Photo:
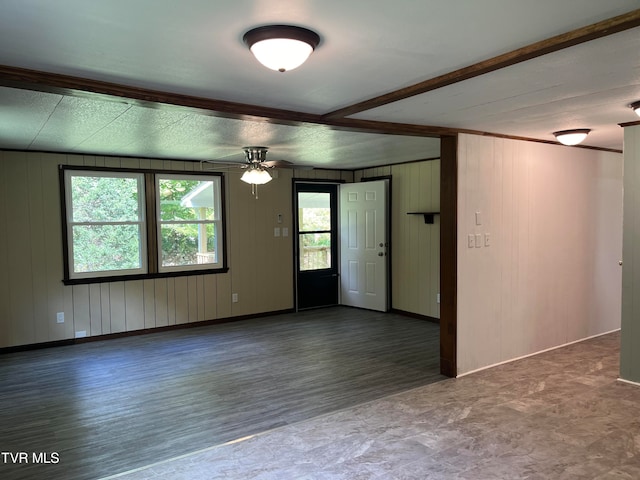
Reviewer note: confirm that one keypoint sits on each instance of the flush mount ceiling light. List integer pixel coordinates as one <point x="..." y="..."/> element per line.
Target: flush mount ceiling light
<point x="572" y="137"/>
<point x="635" y="106"/>
<point x="281" y="47"/>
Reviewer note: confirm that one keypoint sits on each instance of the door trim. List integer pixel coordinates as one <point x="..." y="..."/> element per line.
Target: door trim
<point x="295" y="236"/>
<point x="389" y="214"/>
<point x="359" y="300"/>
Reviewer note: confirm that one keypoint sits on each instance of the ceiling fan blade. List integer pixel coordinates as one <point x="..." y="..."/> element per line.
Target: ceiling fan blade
<point x="284" y="164"/>
<point x="255" y="158"/>
<point x="212" y="164"/>
<point x="277" y="164"/>
<point x="222" y="167"/>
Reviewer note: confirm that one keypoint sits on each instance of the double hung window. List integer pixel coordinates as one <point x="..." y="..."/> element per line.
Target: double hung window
<point x="189" y="222"/>
<point x="130" y="224"/>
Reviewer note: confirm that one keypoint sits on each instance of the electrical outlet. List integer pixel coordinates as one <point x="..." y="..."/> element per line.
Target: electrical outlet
<point x="487" y="239"/>
<point x="471" y="240"/>
<point x="234" y="297"/>
<point x="60" y="317"/>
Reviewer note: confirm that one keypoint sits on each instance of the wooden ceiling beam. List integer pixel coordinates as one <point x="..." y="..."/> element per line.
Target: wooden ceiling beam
<point x="26" y="79"/>
<point x="559" y="42"/>
<point x="58" y="84"/>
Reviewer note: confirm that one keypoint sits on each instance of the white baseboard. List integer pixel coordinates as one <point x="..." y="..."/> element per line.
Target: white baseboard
<point x="629" y="382"/>
<point x="537" y="353"/>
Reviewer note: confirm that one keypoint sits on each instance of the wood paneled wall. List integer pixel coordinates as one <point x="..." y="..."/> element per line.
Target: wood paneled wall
<point x="629" y="352"/>
<point x="415" y="246"/>
<point x="31" y="261"/>
<point x="550" y="274"/>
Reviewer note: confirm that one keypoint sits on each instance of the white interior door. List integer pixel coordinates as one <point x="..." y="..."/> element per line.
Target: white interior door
<point x="363" y="245"/>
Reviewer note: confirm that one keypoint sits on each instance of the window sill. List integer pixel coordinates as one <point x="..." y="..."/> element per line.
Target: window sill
<point x="145" y="276"/>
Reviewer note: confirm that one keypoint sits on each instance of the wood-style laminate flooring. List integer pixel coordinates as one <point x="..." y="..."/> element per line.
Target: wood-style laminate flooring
<point x="559" y="415"/>
<point x="112" y="406"/>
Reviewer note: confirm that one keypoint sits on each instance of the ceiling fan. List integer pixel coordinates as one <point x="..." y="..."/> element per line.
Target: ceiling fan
<point x="256" y="167"/>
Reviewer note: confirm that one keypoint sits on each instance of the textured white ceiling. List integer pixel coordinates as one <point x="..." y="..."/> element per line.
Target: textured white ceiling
<point x="368" y="48"/>
<point x="50" y="122"/>
<point x="586" y="86"/>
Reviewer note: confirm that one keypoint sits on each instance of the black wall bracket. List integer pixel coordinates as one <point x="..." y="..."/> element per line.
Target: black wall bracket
<point x="428" y="216"/>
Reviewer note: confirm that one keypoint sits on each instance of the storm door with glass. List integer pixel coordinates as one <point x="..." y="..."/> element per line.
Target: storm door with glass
<point x="317" y="281"/>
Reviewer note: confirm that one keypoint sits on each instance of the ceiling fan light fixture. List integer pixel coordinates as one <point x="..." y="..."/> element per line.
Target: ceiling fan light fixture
<point x="281" y="47"/>
<point x="256" y="176"/>
<point x="255" y="154"/>
<point x="635" y="106"/>
<point x="572" y="137"/>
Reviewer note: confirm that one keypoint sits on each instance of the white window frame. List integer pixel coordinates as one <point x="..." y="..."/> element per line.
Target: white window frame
<point x="150" y="247"/>
<point x="70" y="223"/>
<point x="216" y="222"/>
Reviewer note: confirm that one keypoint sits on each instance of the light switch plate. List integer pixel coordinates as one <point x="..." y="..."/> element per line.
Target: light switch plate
<point x="276" y="232"/>
<point x="478" y="218"/>
<point x="478" y="240"/>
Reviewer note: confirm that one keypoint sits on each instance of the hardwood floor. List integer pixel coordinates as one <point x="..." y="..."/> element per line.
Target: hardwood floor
<point x="112" y="406"/>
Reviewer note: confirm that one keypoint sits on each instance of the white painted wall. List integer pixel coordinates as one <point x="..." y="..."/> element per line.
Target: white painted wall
<point x="31" y="258"/>
<point x="550" y="274"/>
<point x="629" y="352"/>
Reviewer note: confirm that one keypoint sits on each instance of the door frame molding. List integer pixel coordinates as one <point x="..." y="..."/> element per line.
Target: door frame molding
<point x="388" y="233"/>
<point x="294" y="233"/>
<point x="387" y="214"/>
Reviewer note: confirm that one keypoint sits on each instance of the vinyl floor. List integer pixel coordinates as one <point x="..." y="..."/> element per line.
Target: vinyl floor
<point x="101" y="408"/>
<point x="560" y="415"/>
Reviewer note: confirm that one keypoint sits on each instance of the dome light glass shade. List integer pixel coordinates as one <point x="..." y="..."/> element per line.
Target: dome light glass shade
<point x="572" y="137"/>
<point x="256" y="176"/>
<point x="281" y="47"/>
<point x="281" y="54"/>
